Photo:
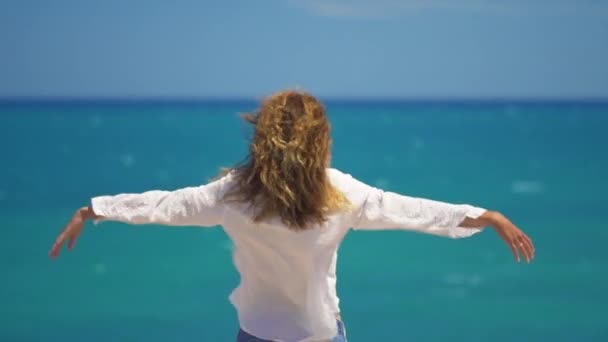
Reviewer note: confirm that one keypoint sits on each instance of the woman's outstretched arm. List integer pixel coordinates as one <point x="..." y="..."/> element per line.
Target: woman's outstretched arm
<point x="377" y="209"/>
<point x="383" y="210"/>
<point x="191" y="206"/>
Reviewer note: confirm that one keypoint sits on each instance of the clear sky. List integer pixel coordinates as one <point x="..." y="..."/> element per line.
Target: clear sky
<point x="394" y="48"/>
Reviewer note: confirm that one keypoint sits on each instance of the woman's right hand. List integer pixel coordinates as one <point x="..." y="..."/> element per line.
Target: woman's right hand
<point x="516" y="239"/>
<point x="71" y="231"/>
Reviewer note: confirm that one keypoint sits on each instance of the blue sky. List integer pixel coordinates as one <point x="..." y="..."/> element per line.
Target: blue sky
<point x="389" y="48"/>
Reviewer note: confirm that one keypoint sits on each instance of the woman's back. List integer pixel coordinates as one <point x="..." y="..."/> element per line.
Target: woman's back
<point x="287" y="288"/>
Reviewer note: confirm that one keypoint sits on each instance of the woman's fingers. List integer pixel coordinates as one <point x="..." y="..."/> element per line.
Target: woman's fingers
<point x="73" y="241"/>
<point x="57" y="245"/>
<point x="529" y="246"/>
<point x="511" y="243"/>
<point x="518" y="242"/>
<point x="70" y="232"/>
<point x="521" y="247"/>
<point x="524" y="247"/>
<point x="514" y="250"/>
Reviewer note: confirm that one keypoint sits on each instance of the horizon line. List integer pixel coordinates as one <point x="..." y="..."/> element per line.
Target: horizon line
<point x="329" y="99"/>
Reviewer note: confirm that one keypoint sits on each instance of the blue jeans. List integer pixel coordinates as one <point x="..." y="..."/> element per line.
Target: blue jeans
<point x="245" y="337"/>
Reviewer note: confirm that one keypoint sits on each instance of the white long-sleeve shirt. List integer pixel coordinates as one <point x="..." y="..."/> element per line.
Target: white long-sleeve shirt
<point x="287" y="291"/>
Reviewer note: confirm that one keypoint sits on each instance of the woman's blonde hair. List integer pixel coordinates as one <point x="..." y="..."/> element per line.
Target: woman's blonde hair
<point x="285" y="173"/>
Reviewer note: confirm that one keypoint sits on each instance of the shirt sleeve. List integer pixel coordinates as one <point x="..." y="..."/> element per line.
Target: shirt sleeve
<point x="191" y="206"/>
<point x="377" y="209"/>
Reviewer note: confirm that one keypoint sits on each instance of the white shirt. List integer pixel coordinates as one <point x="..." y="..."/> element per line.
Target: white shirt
<point x="287" y="291"/>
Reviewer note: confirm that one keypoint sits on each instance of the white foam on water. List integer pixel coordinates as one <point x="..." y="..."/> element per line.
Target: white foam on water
<point x="461" y="279"/>
<point x="418" y="143"/>
<point x="100" y="269"/>
<point x="474" y="280"/>
<point x="527" y="187"/>
<point x="127" y="160"/>
<point x="454" y="278"/>
<point x="95" y="121"/>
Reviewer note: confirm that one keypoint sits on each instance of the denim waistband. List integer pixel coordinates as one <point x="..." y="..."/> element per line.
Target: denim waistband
<point x="243" y="336"/>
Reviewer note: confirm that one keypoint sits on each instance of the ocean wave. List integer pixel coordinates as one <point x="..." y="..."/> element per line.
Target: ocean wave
<point x="461" y="279"/>
<point x="417" y="143"/>
<point x="95" y="121"/>
<point x="127" y="159"/>
<point x="527" y="187"/>
<point x="100" y="269"/>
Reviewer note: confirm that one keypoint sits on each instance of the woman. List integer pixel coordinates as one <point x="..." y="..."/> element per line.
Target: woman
<point x="286" y="213"/>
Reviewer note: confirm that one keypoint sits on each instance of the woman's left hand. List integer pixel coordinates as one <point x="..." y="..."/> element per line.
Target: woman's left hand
<point x="515" y="238"/>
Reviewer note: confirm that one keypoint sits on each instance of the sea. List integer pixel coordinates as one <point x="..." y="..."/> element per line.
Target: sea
<point x="542" y="163"/>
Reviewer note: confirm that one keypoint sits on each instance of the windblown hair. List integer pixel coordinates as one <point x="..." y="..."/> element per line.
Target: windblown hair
<point x="285" y="173"/>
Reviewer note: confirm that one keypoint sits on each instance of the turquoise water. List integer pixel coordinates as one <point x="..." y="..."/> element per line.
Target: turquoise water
<point x="542" y="164"/>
